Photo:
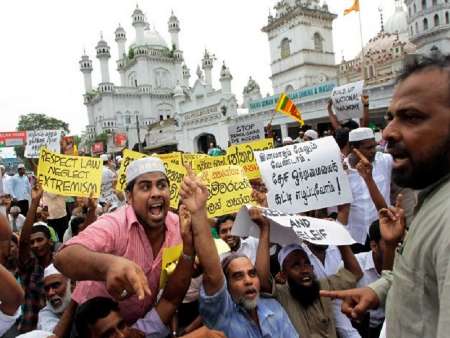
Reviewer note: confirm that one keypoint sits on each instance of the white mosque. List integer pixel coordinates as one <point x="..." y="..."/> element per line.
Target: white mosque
<point x="155" y="103"/>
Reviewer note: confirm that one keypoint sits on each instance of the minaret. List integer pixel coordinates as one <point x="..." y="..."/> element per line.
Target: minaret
<point x="207" y="65"/>
<point x="186" y="75"/>
<point x="103" y="54"/>
<point x="121" y="39"/>
<point x="86" y="69"/>
<point x="139" y="24"/>
<point x="174" y="29"/>
<point x="225" y="79"/>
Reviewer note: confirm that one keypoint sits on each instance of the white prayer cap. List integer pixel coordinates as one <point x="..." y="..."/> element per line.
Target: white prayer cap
<point x="20" y="166"/>
<point x="312" y="134"/>
<point x="287" y="139"/>
<point x="51" y="270"/>
<point x="286" y="250"/>
<point x="104" y="157"/>
<point x="360" y="134"/>
<point x="143" y="166"/>
<point x="36" y="334"/>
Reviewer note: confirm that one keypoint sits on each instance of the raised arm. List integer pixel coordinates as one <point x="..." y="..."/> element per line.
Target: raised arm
<point x="364" y="121"/>
<point x="194" y="196"/>
<point x="178" y="282"/>
<point x="11" y="294"/>
<point x="24" y="241"/>
<point x="331" y="116"/>
<point x="262" y="263"/>
<point x="364" y="168"/>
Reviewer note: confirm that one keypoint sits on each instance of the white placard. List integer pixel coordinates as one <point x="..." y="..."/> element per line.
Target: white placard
<point x="347" y="102"/>
<point x="304" y="176"/>
<point x="36" y="139"/>
<point x="289" y="228"/>
<point x="246" y="132"/>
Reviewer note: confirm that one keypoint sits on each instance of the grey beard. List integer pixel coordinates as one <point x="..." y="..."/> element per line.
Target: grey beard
<point x="65" y="301"/>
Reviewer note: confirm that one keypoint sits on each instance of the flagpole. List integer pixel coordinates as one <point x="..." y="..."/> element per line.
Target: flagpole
<point x="362" y="45"/>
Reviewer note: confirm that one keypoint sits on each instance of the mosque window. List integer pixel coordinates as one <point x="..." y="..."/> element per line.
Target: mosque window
<point x="417" y="28"/>
<point x="318" y="46"/>
<point x="434" y="2"/>
<point x="446" y="18"/>
<point x="285" y="48"/>
<point x="436" y="20"/>
<point x="424" y="4"/>
<point x="415" y="9"/>
<point x="289" y="88"/>
<point x="425" y="24"/>
<point x="411" y="31"/>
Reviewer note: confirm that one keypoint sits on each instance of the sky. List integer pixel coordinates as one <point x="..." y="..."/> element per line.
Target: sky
<point x="44" y="40"/>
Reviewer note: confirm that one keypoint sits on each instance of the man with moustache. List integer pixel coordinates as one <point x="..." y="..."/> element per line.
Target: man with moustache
<point x="416" y="293"/>
<point x="311" y="315"/>
<point x="58" y="294"/>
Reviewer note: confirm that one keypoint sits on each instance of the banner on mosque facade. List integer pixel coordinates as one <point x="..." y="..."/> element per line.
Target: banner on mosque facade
<point x="292" y="228"/>
<point x="304" y="176"/>
<point x="69" y="175"/>
<point x="37" y="139"/>
<point x="347" y="103"/>
<point x="243" y="155"/>
<point x="228" y="188"/>
<point x="246" y="132"/>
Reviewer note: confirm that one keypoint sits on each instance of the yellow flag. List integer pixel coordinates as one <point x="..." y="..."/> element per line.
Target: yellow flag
<point x="354" y="7"/>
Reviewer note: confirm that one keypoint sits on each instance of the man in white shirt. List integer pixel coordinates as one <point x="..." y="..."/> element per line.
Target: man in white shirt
<point x="58" y="295"/>
<point x="363" y="210"/>
<point x="245" y="246"/>
<point x="21" y="189"/>
<point x="16" y="219"/>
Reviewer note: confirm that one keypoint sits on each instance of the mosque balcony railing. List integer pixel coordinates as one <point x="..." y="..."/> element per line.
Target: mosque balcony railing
<point x="125" y="90"/>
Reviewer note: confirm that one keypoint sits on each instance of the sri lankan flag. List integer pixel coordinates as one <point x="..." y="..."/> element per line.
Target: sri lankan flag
<point x="286" y="106"/>
<point x="354" y="7"/>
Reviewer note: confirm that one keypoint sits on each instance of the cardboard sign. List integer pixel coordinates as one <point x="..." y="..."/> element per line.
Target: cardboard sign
<point x="246" y="132"/>
<point x="128" y="156"/>
<point x="174" y="157"/>
<point x="291" y="228"/>
<point x="175" y="174"/>
<point x="229" y="189"/>
<point x="203" y="163"/>
<point x="69" y="175"/>
<point x="242" y="155"/>
<point x="37" y="139"/>
<point x="347" y="102"/>
<point x="304" y="176"/>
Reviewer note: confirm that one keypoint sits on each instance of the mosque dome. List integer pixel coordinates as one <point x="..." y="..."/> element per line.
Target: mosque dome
<point x="398" y="22"/>
<point x="384" y="44"/>
<point x="152" y="39"/>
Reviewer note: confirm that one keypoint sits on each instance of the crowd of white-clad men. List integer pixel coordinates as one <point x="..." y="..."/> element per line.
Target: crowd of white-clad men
<point x="81" y="267"/>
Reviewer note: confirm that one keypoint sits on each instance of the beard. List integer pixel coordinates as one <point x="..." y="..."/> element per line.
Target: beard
<point x="248" y="304"/>
<point x="424" y="172"/>
<point x="305" y="295"/>
<point x="65" y="300"/>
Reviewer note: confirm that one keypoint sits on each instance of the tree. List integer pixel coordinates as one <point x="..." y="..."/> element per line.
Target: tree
<point x="41" y="121"/>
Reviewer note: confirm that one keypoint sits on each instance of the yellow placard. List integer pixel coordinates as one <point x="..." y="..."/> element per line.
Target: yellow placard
<point x="242" y="155"/>
<point x="175" y="174"/>
<point x="188" y="158"/>
<point x="69" y="175"/>
<point x="208" y="162"/>
<point x="128" y="156"/>
<point x="229" y="189"/>
<point x="169" y="262"/>
<point x="174" y="157"/>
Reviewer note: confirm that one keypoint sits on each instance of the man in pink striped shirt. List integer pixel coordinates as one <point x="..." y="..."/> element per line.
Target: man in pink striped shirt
<point x="120" y="254"/>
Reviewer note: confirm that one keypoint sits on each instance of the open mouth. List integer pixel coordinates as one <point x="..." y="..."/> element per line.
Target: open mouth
<point x="156" y="209"/>
<point x="250" y="293"/>
<point x="56" y="302"/>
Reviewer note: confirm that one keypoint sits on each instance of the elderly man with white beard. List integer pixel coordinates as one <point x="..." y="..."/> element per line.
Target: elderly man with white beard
<point x="58" y="294"/>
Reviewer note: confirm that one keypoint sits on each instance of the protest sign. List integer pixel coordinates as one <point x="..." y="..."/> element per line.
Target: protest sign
<point x="13" y="138"/>
<point x="97" y="148"/>
<point x="169" y="262"/>
<point x="208" y="162"/>
<point x="291" y="228"/>
<point x="189" y="158"/>
<point x="69" y="175"/>
<point x="246" y="132"/>
<point x="36" y="139"/>
<point x="228" y="189"/>
<point x="242" y="155"/>
<point x="174" y="157"/>
<point x="304" y="176"/>
<point x="175" y="174"/>
<point x="347" y="102"/>
<point x="128" y="156"/>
